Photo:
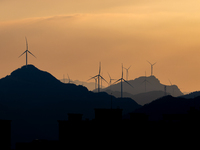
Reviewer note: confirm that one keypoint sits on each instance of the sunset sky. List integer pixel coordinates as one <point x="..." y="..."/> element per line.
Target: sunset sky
<point x="72" y="37"/>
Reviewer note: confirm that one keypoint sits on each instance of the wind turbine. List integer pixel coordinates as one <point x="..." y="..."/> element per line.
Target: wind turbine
<point x="145" y="81"/>
<point x="122" y="79"/>
<point x="95" y="82"/>
<point x="172" y="87"/>
<point x="98" y="77"/>
<point x="69" y="79"/>
<point x="101" y="80"/>
<point x="151" y="67"/>
<point x="165" y="89"/>
<point x="110" y="82"/>
<point x="26" y="51"/>
<point x="64" y="78"/>
<point x="127" y="72"/>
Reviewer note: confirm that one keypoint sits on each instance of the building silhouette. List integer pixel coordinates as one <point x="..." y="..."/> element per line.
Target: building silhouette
<point x="5" y="134"/>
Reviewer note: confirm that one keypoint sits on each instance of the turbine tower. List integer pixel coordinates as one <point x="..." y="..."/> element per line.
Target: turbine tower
<point x="127" y="72"/>
<point x="98" y="77"/>
<point x="145" y="81"/>
<point x="165" y="89"/>
<point x="63" y="78"/>
<point x="68" y="79"/>
<point x="122" y="79"/>
<point x="151" y="67"/>
<point x="26" y="51"/>
<point x="172" y="88"/>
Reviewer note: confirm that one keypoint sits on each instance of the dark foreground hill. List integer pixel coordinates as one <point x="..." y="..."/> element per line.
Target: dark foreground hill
<point x="168" y="105"/>
<point x="191" y="95"/>
<point x="34" y="100"/>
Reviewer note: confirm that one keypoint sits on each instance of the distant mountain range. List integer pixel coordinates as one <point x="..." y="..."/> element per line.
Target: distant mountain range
<point x="154" y="89"/>
<point x="34" y="100"/>
<point x="142" y="98"/>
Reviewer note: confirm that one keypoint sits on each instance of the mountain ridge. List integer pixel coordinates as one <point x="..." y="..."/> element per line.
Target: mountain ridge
<point x="154" y="89"/>
<point x="34" y="105"/>
<point x="153" y="84"/>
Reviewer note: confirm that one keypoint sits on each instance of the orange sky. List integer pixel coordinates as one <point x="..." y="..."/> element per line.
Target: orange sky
<point x="73" y="37"/>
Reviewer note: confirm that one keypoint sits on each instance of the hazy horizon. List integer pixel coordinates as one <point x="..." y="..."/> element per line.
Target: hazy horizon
<point x="73" y="37"/>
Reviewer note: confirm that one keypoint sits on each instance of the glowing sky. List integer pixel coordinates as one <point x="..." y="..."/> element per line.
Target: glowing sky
<point x="72" y="37"/>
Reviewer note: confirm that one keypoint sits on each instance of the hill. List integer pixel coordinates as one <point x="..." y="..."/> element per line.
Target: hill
<point x="142" y="98"/>
<point x="154" y="89"/>
<point x="34" y="100"/>
<point x="168" y="105"/>
<point x="191" y="95"/>
<point x="89" y="85"/>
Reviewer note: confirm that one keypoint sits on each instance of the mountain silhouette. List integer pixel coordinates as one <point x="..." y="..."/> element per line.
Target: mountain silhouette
<point x="89" y="85"/>
<point x="154" y="89"/>
<point x="191" y="95"/>
<point x="34" y="100"/>
<point x="168" y="105"/>
<point x="142" y="98"/>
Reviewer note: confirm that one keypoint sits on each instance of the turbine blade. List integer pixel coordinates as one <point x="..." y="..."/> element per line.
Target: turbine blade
<point x="92" y="77"/>
<point x="149" y="62"/>
<point x="113" y="79"/>
<point x="148" y="81"/>
<point x="143" y="82"/>
<point x="109" y="75"/>
<point x="99" y="68"/>
<point x="128" y="83"/>
<point x="154" y="63"/>
<point x="103" y="78"/>
<point x="26" y="44"/>
<point x="22" y="54"/>
<point x="122" y="70"/>
<point x="129" y="67"/>
<point x="170" y="82"/>
<point x="117" y="81"/>
<point x="31" y="53"/>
